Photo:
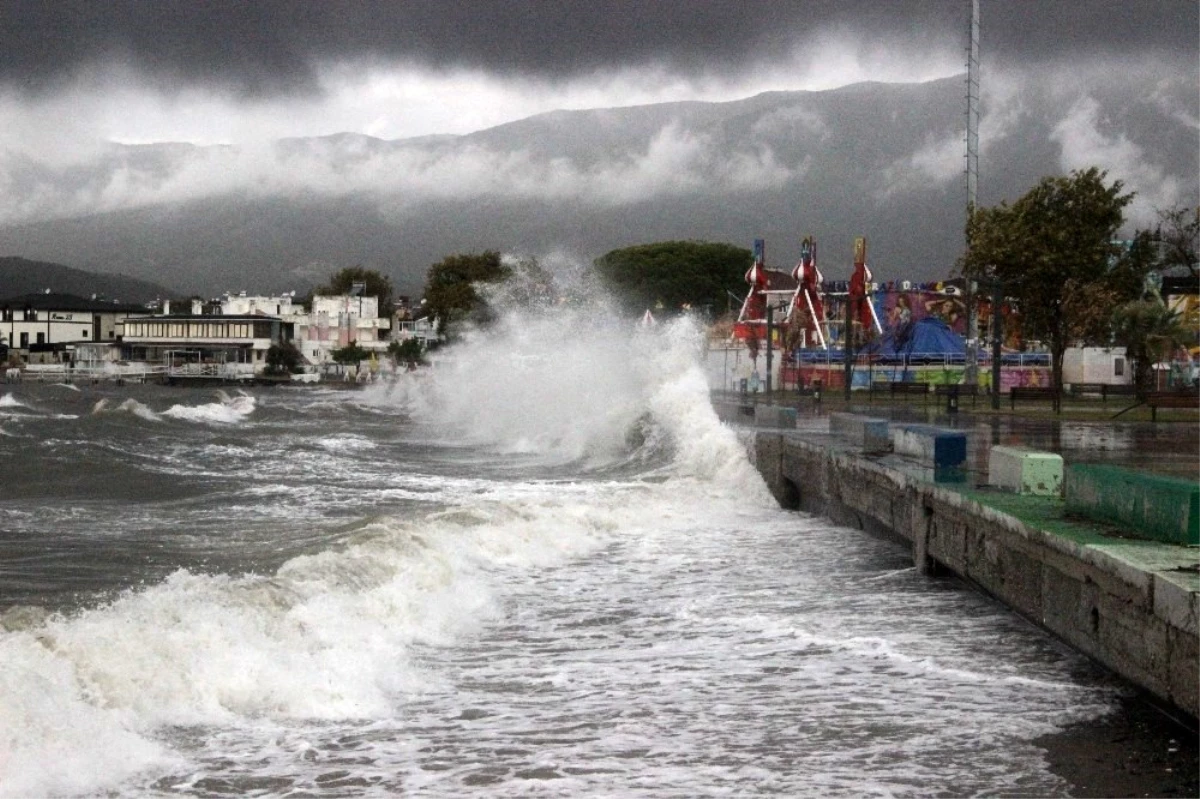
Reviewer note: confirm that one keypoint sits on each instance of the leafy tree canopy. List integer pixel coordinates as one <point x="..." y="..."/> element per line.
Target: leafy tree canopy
<point x="1054" y="251"/>
<point x="407" y="351"/>
<point x="377" y="285"/>
<point x="674" y="274"/>
<point x="1178" y="234"/>
<point x="283" y="358"/>
<point x="1150" y="332"/>
<point x="450" y="293"/>
<point x="350" y="354"/>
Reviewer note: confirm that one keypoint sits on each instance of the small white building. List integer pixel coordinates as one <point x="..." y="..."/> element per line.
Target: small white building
<point x="333" y="322"/>
<point x="282" y="306"/>
<point x="1104" y="365"/>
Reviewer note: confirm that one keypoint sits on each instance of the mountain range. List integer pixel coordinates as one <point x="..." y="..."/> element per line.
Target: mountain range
<point x="875" y="159"/>
<point x="19" y="276"/>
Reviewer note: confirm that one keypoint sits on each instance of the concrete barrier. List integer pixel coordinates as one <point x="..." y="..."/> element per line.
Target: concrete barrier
<point x="945" y="451"/>
<point x="870" y="434"/>
<point x="734" y="412"/>
<point x="1025" y="471"/>
<point x="774" y="416"/>
<point x="1149" y="505"/>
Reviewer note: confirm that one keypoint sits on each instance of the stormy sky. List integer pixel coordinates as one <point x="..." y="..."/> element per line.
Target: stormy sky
<point x="77" y="76"/>
<point x="226" y="71"/>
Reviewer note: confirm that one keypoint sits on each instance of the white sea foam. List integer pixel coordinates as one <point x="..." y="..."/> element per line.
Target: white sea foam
<point x="9" y="401"/>
<point x="574" y="384"/>
<point x="129" y="406"/>
<point x="326" y="637"/>
<point x="229" y="410"/>
<point x="346" y="443"/>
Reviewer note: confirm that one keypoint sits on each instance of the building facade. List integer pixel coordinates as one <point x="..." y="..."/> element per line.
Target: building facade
<point x="42" y="326"/>
<point x="236" y="342"/>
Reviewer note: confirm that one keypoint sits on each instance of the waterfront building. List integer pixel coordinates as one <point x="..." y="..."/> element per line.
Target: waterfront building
<point x="235" y="345"/>
<point x="333" y="322"/>
<point x="44" y="328"/>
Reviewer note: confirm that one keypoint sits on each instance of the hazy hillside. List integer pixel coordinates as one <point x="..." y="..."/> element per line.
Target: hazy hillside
<point x="880" y="160"/>
<point x="19" y="276"/>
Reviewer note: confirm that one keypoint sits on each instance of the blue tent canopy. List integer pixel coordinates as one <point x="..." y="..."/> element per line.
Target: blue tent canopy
<point x="928" y="339"/>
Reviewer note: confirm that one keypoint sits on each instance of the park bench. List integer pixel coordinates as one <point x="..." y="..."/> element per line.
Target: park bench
<point x="964" y="390"/>
<point x="1171" y="399"/>
<point x="1105" y="390"/>
<point x="908" y="388"/>
<point x="1030" y="394"/>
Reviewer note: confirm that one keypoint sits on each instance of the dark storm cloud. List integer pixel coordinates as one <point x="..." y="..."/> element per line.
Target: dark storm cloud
<point x="266" y="47"/>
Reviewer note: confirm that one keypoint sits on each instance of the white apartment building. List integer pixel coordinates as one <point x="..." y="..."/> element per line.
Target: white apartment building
<point x="333" y="322"/>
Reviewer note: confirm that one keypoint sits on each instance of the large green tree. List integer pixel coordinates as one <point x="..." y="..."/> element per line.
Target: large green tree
<point x="674" y="274"/>
<point x="450" y="287"/>
<point x="376" y="285"/>
<point x="1054" y="251"/>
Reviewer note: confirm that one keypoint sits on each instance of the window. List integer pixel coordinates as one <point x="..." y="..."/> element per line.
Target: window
<point x="41" y="338"/>
<point x="24" y="340"/>
<point x="85" y="333"/>
<point x="1118" y="367"/>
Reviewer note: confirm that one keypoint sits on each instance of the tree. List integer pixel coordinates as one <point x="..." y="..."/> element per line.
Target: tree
<point x="1054" y="249"/>
<point x="407" y="351"/>
<point x="1150" y="332"/>
<point x="696" y="274"/>
<point x="350" y="354"/>
<point x="376" y="285"/>
<point x="283" y="358"/>
<point x="1178" y="234"/>
<point x="450" y="293"/>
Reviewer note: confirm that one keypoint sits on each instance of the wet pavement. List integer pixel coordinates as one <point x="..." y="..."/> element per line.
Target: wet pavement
<point x="1086" y="434"/>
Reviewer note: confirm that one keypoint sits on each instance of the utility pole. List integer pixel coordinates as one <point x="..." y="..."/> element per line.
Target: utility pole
<point x="848" y="346"/>
<point x="997" y="339"/>
<point x="971" y="373"/>
<point x="770" y="311"/>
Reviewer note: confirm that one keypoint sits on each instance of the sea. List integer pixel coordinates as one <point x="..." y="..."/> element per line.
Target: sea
<point x="539" y="567"/>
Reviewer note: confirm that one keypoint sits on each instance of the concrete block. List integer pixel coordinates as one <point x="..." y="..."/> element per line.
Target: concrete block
<point x="1184" y="669"/>
<point x="1149" y="505"/>
<point x="870" y="434"/>
<point x="945" y="451"/>
<point x="1026" y="471"/>
<point x="774" y="416"/>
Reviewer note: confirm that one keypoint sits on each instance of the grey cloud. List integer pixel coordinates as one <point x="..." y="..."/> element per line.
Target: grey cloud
<point x="273" y="47"/>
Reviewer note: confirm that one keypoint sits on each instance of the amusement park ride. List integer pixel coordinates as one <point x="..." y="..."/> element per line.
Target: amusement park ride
<point x="804" y="310"/>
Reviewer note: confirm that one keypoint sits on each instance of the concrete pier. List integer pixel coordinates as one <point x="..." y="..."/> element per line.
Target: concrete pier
<point x="1130" y="604"/>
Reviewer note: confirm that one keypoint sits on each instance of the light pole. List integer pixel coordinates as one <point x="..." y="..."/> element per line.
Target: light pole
<point x="770" y="329"/>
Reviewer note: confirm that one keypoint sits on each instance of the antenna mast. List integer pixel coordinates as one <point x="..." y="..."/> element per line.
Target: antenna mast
<point x="973" y="108"/>
<point x="971" y="376"/>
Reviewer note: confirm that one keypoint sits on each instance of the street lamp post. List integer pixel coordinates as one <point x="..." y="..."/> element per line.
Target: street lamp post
<point x="770" y="311"/>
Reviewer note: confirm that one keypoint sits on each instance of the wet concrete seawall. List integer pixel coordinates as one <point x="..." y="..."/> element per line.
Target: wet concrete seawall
<point x="1133" y="620"/>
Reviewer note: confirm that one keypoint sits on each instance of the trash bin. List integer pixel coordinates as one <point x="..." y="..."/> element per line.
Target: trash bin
<point x="951" y="399"/>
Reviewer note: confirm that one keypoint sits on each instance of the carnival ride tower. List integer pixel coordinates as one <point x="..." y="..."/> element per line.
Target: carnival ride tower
<point x="808" y="306"/>
<point x="862" y="308"/>
<point x="754" y="307"/>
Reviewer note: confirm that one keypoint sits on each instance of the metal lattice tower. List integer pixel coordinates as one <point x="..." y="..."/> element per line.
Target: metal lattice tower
<point x="973" y="108"/>
<point x="972" y="376"/>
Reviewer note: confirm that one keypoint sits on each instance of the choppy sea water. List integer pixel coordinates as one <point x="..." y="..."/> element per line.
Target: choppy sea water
<point x="529" y="571"/>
